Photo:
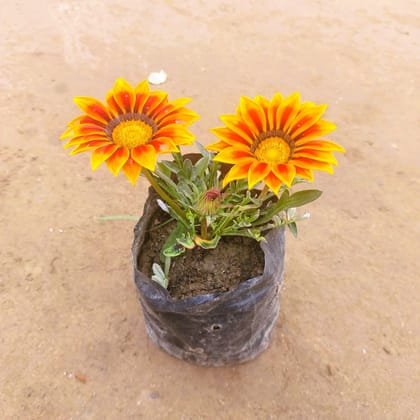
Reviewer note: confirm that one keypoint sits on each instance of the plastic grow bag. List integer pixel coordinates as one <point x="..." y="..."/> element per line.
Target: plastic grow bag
<point x="214" y="329"/>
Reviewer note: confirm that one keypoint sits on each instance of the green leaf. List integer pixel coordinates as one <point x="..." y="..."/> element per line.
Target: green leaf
<point x="301" y="198"/>
<point x="159" y="276"/>
<point x="207" y="243"/>
<point x="275" y="208"/>
<point x="171" y="166"/>
<point x="187" y="168"/>
<point x="203" y="150"/>
<point x="293" y="228"/>
<point x="173" y="250"/>
<point x="186" y="242"/>
<point x="171" y="247"/>
<point x="201" y="166"/>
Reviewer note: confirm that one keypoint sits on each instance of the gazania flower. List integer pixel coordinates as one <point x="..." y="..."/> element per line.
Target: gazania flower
<point x="134" y="126"/>
<point x="274" y="141"/>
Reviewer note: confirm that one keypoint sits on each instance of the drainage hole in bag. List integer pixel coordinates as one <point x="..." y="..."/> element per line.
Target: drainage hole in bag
<point x="216" y="327"/>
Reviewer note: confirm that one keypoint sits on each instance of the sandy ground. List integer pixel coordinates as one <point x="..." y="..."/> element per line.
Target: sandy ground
<point x="73" y="343"/>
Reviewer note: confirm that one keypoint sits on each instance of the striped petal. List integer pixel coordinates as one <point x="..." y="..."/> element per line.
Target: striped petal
<point x="132" y="170"/>
<point x="316" y="155"/>
<point x="238" y="126"/>
<point x="307" y="118"/>
<point x="273" y="182"/>
<point x="304" y="173"/>
<point x="76" y="141"/>
<point x="285" y="172"/>
<point x="289" y="110"/>
<point x="273" y="121"/>
<point x="164" y="145"/>
<point x="170" y="108"/>
<point x="141" y="91"/>
<point x="239" y="171"/>
<point x="93" y="108"/>
<point x="252" y="115"/>
<point x="257" y="172"/>
<point x="319" y="129"/>
<point x="230" y="137"/>
<point x="145" y="155"/>
<point x="101" y="154"/>
<point x="326" y="146"/>
<point x="123" y="94"/>
<point x="232" y="155"/>
<point x="182" y="116"/>
<point x="116" y="161"/>
<point x="92" y="145"/>
<point x="218" y="146"/>
<point x="153" y="101"/>
<point x="312" y="164"/>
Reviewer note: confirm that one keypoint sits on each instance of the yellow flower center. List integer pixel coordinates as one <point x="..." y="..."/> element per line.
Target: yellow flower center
<point x="132" y="133"/>
<point x="273" y="150"/>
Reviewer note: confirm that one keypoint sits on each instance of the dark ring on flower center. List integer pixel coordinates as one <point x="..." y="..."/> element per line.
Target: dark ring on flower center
<point x="130" y="116"/>
<point x="273" y="133"/>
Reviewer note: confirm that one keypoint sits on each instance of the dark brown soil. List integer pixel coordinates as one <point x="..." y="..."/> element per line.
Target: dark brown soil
<point x="199" y="271"/>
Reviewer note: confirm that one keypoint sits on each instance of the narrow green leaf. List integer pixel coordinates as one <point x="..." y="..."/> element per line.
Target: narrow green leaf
<point x="293" y="228"/>
<point x="301" y="198"/>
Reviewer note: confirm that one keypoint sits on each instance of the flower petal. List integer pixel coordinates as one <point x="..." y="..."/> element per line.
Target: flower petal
<point x="253" y="115"/>
<point x="273" y="182"/>
<point x="238" y="171"/>
<point x="177" y="132"/>
<point x="141" y="91"/>
<point x="94" y="108"/>
<point x="153" y="101"/>
<point x="324" y="145"/>
<point x="145" y="155"/>
<point x="316" y="155"/>
<point x="116" y="161"/>
<point x="232" y="155"/>
<point x="285" y="172"/>
<point x="217" y="146"/>
<point x="123" y="94"/>
<point x="92" y="145"/>
<point x="238" y="126"/>
<point x="257" y="172"/>
<point x="306" y="118"/>
<point x="275" y="103"/>
<point x="183" y="115"/>
<point x="288" y="110"/>
<point x="101" y="154"/>
<point x="76" y="141"/>
<point x="230" y="137"/>
<point x="164" y="145"/>
<point x="304" y="173"/>
<point x="132" y="170"/>
<point x="321" y="128"/>
<point x="312" y="164"/>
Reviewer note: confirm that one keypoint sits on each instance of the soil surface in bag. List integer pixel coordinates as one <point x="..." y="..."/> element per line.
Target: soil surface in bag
<point x="202" y="271"/>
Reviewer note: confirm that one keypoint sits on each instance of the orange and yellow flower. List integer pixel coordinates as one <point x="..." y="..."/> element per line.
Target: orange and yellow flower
<point x="274" y="141"/>
<point x="134" y="126"/>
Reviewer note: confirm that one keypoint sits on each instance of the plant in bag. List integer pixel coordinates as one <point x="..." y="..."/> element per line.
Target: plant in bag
<point x="239" y="186"/>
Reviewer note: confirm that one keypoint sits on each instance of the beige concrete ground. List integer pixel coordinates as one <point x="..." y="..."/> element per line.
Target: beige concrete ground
<point x="72" y="340"/>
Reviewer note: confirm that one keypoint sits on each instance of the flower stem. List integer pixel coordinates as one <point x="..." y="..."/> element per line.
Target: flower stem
<point x="164" y="195"/>
<point x="204" y="233"/>
<point x="263" y="192"/>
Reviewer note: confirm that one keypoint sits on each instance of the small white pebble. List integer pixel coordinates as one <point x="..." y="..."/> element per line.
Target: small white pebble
<point x="61" y="230"/>
<point x="51" y="229"/>
<point x="364" y="351"/>
<point x="394" y="146"/>
<point x="157" y="78"/>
